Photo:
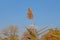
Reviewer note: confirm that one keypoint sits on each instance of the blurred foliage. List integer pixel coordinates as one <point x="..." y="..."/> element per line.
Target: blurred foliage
<point x="52" y="34"/>
<point x="30" y="34"/>
<point x="10" y="33"/>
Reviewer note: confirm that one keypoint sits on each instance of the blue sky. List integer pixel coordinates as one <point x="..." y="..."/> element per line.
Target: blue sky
<point x="14" y="12"/>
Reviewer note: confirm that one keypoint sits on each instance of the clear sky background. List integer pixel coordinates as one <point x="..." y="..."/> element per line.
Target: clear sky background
<point x="14" y="12"/>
